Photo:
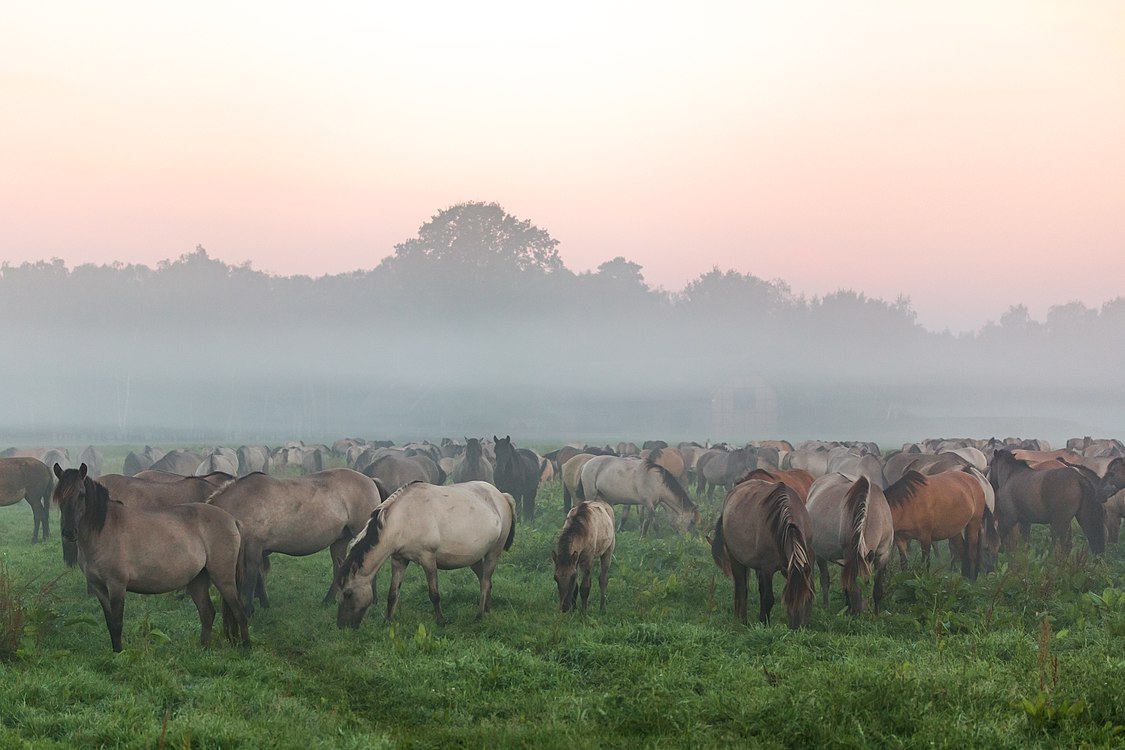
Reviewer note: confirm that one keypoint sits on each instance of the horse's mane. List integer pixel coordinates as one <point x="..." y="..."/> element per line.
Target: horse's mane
<point x="655" y="454"/>
<point x="369" y="537"/>
<point x="855" y="549"/>
<point x="673" y="486"/>
<point x="792" y="545"/>
<point x="222" y="488"/>
<point x="576" y="527"/>
<point x="97" y="505"/>
<point x="1007" y="455"/>
<point x="904" y="490"/>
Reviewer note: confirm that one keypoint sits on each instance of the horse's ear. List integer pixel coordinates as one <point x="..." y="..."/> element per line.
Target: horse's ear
<point x="495" y="439"/>
<point x="58" y="470"/>
<point x="508" y="438"/>
<point x="82" y="471"/>
<point x="573" y="556"/>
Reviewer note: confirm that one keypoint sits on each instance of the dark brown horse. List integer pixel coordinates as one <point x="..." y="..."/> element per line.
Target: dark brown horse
<point x="122" y="549"/>
<point x="1025" y="495"/>
<point x="765" y="526"/>
<point x="28" y="479"/>
<point x="517" y="473"/>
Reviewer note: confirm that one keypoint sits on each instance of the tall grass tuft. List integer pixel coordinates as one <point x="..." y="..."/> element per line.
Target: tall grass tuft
<point x="12" y="616"/>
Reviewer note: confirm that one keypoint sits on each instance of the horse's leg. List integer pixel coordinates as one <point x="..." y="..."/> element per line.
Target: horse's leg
<point x="199" y="589"/>
<point x="1062" y="535"/>
<point x="114" y="607"/>
<point x="260" y="588"/>
<point x="430" y="566"/>
<point x="901" y="543"/>
<point x="584" y="590"/>
<point x="529" y="504"/>
<point x="603" y="577"/>
<point x="823" y="565"/>
<point x="235" y="626"/>
<point x="926" y="545"/>
<point x="970" y="559"/>
<point x="488" y="567"/>
<point x="624" y="515"/>
<point x="36" y="519"/>
<point x="765" y="596"/>
<point x="739" y="574"/>
<point x="398" y="570"/>
<point x="880" y="584"/>
<point x="251" y="584"/>
<point x="337" y="550"/>
<point x="45" y="502"/>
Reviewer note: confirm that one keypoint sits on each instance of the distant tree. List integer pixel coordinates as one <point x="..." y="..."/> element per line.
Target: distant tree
<point x="478" y="237"/>
<point x="728" y="292"/>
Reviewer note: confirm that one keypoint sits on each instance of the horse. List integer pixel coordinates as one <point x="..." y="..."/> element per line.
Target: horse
<point x="852" y="526"/>
<point x="765" y="526"/>
<point x="587" y="533"/>
<point x="855" y="465"/>
<point x="1025" y="495"/>
<point x="798" y="480"/>
<point x="394" y="469"/>
<point x="634" y="481"/>
<point x="517" y="473"/>
<point x="572" y="477"/>
<point x="941" y="506"/>
<point x="438" y="527"/>
<point x="135" y="462"/>
<point x="296" y="517"/>
<point x="219" y="459"/>
<point x="179" y="462"/>
<point x="472" y="466"/>
<point x="28" y="479"/>
<point x="122" y="549"/>
<point x="159" y="489"/>
<point x="814" y="462"/>
<point x="672" y="460"/>
<point x="93" y="458"/>
<point x="253" y="458"/>
<point x="724" y="468"/>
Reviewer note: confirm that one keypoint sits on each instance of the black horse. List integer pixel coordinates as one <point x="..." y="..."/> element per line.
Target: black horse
<point x="517" y="473"/>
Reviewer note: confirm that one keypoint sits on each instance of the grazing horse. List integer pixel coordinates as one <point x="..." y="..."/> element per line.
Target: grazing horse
<point x="135" y="462"/>
<point x="395" y="470"/>
<point x="941" y="506"/>
<point x="472" y="466"/>
<point x="122" y="549"/>
<point x="765" y="526"/>
<point x="724" y="468"/>
<point x="634" y="481"/>
<point x="93" y="458"/>
<point x="851" y="526"/>
<point x="517" y="473"/>
<point x="439" y="527"/>
<point x="1025" y="495"/>
<point x="798" y="480"/>
<point x="28" y="478"/>
<point x="672" y="460"/>
<point x="296" y="517"/>
<point x="586" y="534"/>
<point x="179" y="462"/>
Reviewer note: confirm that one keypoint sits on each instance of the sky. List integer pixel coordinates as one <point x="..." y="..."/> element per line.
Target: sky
<point x="968" y="155"/>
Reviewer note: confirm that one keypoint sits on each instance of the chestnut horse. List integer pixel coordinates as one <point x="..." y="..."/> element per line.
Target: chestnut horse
<point x="932" y="508"/>
<point x="1025" y="495"/>
<point x="765" y="526"/>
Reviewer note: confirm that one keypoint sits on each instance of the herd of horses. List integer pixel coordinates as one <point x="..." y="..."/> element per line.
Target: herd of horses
<point x="787" y="508"/>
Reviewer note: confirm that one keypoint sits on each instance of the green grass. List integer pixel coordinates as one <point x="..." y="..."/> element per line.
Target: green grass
<point x="951" y="663"/>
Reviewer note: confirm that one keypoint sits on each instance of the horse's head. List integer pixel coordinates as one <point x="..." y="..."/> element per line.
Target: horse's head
<point x="689" y="519"/>
<point x="566" y="576"/>
<point x="1114" y="480"/>
<point x="354" y="597"/>
<point x="70" y="496"/>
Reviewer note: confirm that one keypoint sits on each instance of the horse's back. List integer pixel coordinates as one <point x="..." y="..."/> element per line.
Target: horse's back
<point x="458" y="524"/>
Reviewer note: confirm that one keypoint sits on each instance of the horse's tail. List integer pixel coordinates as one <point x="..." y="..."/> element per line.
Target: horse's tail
<point x="719" y="548"/>
<point x="794" y="547"/>
<point x="230" y="621"/>
<point x="512" y="525"/>
<point x="1091" y="515"/>
<point x="566" y="496"/>
<point x="579" y="491"/>
<point x="856" y="562"/>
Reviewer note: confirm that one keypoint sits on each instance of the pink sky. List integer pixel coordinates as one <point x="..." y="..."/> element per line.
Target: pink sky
<point x="970" y="155"/>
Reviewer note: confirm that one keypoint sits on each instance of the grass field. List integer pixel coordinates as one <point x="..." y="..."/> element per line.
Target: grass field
<point x="1031" y="655"/>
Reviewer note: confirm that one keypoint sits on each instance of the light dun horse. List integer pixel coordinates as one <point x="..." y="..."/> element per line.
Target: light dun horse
<point x="446" y="527"/>
<point x="27" y="478"/>
<point x="852" y="527"/>
<point x="634" y="481"/>
<point x="587" y="533"/>
<point x="151" y="552"/>
<point x="765" y="526"/>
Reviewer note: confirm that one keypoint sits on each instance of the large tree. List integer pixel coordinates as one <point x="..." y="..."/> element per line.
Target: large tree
<point x="474" y="237"/>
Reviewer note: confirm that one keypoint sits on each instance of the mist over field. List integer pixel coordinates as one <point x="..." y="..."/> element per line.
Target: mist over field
<point x="475" y="326"/>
